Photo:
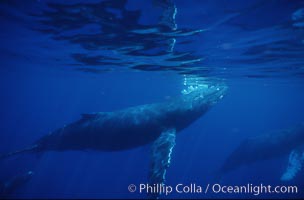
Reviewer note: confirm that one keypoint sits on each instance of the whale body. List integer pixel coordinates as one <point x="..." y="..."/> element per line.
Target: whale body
<point x="133" y="127"/>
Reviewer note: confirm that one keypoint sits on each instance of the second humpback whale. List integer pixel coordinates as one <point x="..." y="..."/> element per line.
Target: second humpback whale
<point x="133" y="127"/>
<point x="270" y="146"/>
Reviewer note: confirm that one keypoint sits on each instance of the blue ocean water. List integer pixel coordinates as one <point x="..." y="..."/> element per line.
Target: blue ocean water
<point x="60" y="59"/>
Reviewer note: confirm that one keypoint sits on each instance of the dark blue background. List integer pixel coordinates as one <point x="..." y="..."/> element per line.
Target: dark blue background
<point x="39" y="94"/>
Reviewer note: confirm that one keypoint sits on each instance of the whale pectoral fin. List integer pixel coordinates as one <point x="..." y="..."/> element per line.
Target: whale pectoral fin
<point x="160" y="158"/>
<point x="295" y="162"/>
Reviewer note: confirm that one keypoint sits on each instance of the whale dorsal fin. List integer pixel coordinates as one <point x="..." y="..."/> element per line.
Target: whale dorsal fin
<point x="160" y="158"/>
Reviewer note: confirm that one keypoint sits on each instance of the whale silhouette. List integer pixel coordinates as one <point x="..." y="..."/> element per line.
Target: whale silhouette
<point x="268" y="146"/>
<point x="133" y="127"/>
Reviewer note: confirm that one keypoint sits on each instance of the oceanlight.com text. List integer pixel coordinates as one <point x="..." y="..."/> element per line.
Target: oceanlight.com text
<point x="254" y="189"/>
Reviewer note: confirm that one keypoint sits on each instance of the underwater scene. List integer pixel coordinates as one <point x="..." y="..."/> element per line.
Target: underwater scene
<point x="152" y="99"/>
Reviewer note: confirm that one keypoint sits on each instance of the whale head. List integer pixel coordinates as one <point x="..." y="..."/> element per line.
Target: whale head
<point x="205" y="96"/>
<point x="193" y="104"/>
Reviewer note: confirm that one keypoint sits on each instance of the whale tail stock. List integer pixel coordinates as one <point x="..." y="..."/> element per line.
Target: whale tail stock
<point x="30" y="149"/>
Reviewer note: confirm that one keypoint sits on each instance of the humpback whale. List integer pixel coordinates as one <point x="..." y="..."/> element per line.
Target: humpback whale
<point x="132" y="127"/>
<point x="269" y="146"/>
